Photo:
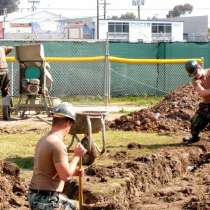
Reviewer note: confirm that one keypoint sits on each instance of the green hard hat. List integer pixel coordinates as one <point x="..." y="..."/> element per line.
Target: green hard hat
<point x="64" y="109"/>
<point x="191" y="67"/>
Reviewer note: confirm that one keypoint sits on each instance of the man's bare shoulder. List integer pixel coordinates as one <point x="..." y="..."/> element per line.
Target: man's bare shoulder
<point x="54" y="141"/>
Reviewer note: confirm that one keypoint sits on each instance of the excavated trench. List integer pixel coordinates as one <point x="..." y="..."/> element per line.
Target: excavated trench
<point x="142" y="183"/>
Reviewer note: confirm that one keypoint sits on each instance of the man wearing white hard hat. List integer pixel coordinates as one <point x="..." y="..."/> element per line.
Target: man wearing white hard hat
<point x="51" y="166"/>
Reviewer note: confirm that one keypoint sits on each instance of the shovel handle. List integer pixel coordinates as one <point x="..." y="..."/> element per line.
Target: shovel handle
<point x="80" y="187"/>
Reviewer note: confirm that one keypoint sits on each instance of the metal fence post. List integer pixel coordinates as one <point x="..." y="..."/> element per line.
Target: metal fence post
<point x="202" y="58"/>
<point x="12" y="78"/>
<point x="107" y="75"/>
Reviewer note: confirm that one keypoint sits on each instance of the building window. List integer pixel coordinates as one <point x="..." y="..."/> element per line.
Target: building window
<point x="161" y="28"/>
<point x="111" y="27"/>
<point x="168" y="28"/>
<point x="154" y="28"/>
<point x="118" y="27"/>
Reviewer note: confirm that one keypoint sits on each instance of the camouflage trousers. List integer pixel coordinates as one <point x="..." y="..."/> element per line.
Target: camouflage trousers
<point x="201" y="119"/>
<point x="50" y="201"/>
<point x="4" y="83"/>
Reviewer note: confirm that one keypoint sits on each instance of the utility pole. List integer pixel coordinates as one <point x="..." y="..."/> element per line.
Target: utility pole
<point x="138" y="3"/>
<point x="104" y="9"/>
<point x="139" y="12"/>
<point x="98" y="16"/>
<point x="104" y="3"/>
<point x="4" y="22"/>
<point x="97" y="19"/>
<point x="33" y="4"/>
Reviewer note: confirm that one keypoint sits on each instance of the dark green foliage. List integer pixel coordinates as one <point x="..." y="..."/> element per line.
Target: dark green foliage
<point x="126" y="16"/>
<point x="9" y="5"/>
<point x="179" y="10"/>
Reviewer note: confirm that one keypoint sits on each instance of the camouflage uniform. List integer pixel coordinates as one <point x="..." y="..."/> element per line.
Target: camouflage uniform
<point x="200" y="120"/>
<point x="4" y="83"/>
<point x="44" y="200"/>
<point x="4" y="75"/>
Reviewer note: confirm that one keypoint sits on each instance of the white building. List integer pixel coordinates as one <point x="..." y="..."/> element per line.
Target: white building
<point x="143" y="30"/>
<point x="47" y="25"/>
<point x="37" y="25"/>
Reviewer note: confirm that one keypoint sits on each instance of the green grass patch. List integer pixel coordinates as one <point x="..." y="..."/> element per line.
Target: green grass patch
<point x="22" y="162"/>
<point x="151" y="142"/>
<point x="117" y="141"/>
<point x="17" y="145"/>
<point x="92" y="100"/>
<point x="19" y="148"/>
<point x="125" y="100"/>
<point x="97" y="100"/>
<point x="136" y="100"/>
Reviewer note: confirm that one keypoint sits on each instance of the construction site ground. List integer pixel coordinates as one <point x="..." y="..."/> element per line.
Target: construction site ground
<point x="171" y="176"/>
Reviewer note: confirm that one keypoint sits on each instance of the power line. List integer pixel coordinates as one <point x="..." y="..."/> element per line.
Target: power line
<point x="111" y="9"/>
<point x="33" y="4"/>
<point x="104" y="3"/>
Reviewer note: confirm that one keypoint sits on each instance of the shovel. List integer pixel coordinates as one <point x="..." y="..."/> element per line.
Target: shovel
<point x="80" y="187"/>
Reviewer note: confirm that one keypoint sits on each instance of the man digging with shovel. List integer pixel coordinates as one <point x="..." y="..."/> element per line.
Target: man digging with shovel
<point x="201" y="83"/>
<point x="51" y="166"/>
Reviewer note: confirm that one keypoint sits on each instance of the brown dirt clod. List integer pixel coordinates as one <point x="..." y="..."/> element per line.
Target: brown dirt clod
<point x="12" y="187"/>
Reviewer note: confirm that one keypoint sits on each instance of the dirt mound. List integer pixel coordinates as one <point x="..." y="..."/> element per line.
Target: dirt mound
<point x="12" y="187"/>
<point x="171" y="115"/>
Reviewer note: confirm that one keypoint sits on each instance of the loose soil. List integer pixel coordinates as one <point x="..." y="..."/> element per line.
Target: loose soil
<point x="171" y="116"/>
<point x="175" y="177"/>
<point x="12" y="187"/>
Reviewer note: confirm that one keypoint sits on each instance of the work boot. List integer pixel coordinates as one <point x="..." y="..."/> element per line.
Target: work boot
<point x="191" y="140"/>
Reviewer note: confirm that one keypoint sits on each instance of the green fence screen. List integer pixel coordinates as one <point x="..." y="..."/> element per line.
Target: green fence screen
<point x="126" y="79"/>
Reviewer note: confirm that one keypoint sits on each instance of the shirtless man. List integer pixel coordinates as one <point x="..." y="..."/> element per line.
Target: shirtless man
<point x="201" y="83"/>
<point x="51" y="166"/>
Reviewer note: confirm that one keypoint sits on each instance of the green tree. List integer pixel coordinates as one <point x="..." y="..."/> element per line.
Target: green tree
<point x="126" y="16"/>
<point x="179" y="10"/>
<point x="115" y="17"/>
<point x="9" y="5"/>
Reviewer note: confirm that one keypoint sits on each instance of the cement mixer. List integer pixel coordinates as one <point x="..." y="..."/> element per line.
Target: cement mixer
<point x="35" y="80"/>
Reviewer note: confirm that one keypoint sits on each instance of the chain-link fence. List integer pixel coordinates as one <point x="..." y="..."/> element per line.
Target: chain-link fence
<point x="85" y="69"/>
<point x="146" y="79"/>
<point x="69" y="79"/>
<point x="79" y="76"/>
<point x="99" y="78"/>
